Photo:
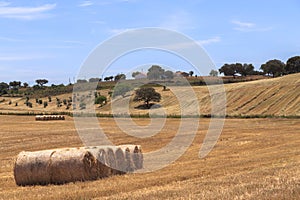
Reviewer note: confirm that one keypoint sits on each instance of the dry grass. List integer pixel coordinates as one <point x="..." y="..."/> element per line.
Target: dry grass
<point x="278" y="96"/>
<point x="253" y="159"/>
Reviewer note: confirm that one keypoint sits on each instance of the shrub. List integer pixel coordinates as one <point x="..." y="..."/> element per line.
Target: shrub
<point x="82" y="105"/>
<point x="100" y="100"/>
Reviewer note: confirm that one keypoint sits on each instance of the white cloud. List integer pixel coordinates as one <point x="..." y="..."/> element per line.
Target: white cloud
<point x="243" y="24"/>
<point x="209" y="41"/>
<point x="118" y="30"/>
<point x="86" y="3"/>
<point x="26" y="13"/>
<point x="248" y="27"/>
<point x="192" y="44"/>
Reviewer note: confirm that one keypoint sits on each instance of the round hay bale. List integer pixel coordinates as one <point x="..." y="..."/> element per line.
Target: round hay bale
<point x="73" y="165"/>
<point x="137" y="157"/>
<point x="130" y="167"/>
<point x="100" y="154"/>
<point x="33" y="168"/>
<point x="55" y="166"/>
<point x="121" y="164"/>
<point x="111" y="160"/>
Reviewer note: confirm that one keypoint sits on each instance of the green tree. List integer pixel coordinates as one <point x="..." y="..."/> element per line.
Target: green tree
<point x="41" y="82"/>
<point x="134" y="74"/>
<point x="293" y="65"/>
<point x="273" y="67"/>
<point x="93" y="80"/>
<point x="120" y="77"/>
<point x="191" y="73"/>
<point x="15" y="85"/>
<point x="100" y="100"/>
<point x="25" y="85"/>
<point x="147" y="95"/>
<point x="81" y="81"/>
<point x="245" y="69"/>
<point x="228" y="70"/>
<point x="213" y="73"/>
<point x="3" y="88"/>
<point x="155" y="72"/>
<point x="169" y="74"/>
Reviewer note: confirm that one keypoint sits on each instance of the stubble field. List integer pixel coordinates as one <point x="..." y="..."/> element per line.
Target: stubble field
<point x="253" y="159"/>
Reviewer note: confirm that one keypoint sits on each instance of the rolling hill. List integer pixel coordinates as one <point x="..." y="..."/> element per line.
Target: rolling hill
<point x="267" y="97"/>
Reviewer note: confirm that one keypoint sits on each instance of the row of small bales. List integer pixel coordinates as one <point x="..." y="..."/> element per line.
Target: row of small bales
<point x="60" y="166"/>
<point x="49" y="117"/>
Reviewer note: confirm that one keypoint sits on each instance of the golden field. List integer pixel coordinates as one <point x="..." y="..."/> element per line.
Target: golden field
<point x="266" y="97"/>
<point x="256" y="158"/>
<point x="253" y="159"/>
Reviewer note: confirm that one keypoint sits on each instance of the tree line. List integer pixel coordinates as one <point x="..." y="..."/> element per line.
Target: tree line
<point x="272" y="68"/>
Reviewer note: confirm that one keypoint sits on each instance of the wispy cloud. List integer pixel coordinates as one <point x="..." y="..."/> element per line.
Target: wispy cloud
<point x="118" y="30"/>
<point x="25" y="13"/>
<point x="192" y="44"/>
<point x="85" y="4"/>
<point x="248" y="27"/>
<point x="209" y="41"/>
<point x="243" y="24"/>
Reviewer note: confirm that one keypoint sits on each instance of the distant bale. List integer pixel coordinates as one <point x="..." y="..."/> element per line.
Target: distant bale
<point x="49" y="117"/>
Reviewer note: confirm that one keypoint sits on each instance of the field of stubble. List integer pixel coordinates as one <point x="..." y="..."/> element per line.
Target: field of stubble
<point x="253" y="159"/>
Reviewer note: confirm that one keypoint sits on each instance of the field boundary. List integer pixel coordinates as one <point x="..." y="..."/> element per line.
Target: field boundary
<point x="103" y="115"/>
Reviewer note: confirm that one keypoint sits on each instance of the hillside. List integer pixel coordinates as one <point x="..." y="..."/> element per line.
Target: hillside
<point x="278" y="97"/>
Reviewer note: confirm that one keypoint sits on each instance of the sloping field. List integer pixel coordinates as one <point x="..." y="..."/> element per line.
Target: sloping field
<point x="253" y="159"/>
<point x="278" y="96"/>
<point x="267" y="97"/>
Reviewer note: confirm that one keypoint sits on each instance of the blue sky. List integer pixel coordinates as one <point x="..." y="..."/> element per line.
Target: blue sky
<point x="51" y="39"/>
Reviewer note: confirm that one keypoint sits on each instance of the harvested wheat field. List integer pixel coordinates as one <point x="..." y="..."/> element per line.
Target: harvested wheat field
<point x="268" y="97"/>
<point x="253" y="159"/>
